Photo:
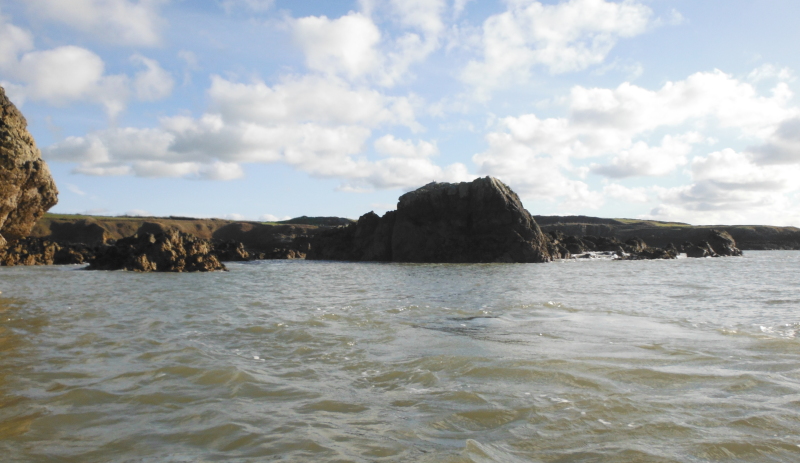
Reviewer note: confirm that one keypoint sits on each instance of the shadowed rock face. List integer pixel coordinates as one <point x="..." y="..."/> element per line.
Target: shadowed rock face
<point x="27" y="190"/>
<point x="479" y="221"/>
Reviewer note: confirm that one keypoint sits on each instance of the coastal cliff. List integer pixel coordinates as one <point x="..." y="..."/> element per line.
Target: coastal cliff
<point x="27" y="190"/>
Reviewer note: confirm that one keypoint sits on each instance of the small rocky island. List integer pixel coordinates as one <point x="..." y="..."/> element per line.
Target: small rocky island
<point x="480" y="221"/>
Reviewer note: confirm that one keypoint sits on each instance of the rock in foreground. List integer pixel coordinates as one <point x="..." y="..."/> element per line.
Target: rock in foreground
<point x="27" y="190"/>
<point x="171" y="251"/>
<point x="469" y="222"/>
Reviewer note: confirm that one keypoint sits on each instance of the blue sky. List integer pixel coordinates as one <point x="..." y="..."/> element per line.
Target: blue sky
<point x="263" y="109"/>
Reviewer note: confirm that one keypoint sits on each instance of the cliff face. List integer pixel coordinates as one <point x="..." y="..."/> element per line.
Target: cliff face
<point x="760" y="237"/>
<point x="478" y="221"/>
<point x="27" y="190"/>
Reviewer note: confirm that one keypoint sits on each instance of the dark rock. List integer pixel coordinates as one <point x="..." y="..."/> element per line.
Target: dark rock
<point x="636" y="245"/>
<point x="231" y="251"/>
<point x="27" y="190"/>
<point x="699" y="250"/>
<point x="722" y="243"/>
<point x="40" y="251"/>
<point x="29" y="251"/>
<point x="479" y="221"/>
<point x="82" y="231"/>
<point x="281" y="241"/>
<point x="172" y="251"/>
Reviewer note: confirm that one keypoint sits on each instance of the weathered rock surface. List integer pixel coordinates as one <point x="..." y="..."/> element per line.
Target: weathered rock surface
<point x="27" y="190"/>
<point x="171" y="251"/>
<point x="722" y="243"/>
<point x="39" y="251"/>
<point x="478" y="221"/>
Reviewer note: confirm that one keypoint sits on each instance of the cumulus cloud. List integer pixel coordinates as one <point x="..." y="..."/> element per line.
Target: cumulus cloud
<point x="352" y="46"/>
<point x="564" y="37"/>
<point x="346" y="45"/>
<point x="124" y="22"/>
<point x="616" y="127"/>
<point x="153" y="83"/>
<point x="63" y="75"/>
<point x="631" y="195"/>
<point x="68" y="74"/>
<point x="318" y="125"/>
<point x="728" y="187"/>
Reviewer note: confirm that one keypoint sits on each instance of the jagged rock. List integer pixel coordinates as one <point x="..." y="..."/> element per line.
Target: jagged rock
<point x="478" y="221"/>
<point x="722" y="243"/>
<point x="699" y="250"/>
<point x="40" y="251"/>
<point x="231" y="251"/>
<point x="29" y="251"/>
<point x="636" y="245"/>
<point x="27" y="190"/>
<point x="172" y="251"/>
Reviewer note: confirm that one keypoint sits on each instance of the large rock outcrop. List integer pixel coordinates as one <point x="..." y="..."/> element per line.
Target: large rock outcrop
<point x="171" y="251"/>
<point x="27" y="190"/>
<point x="478" y="221"/>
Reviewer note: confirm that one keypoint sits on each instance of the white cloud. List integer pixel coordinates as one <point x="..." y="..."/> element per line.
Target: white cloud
<point x="117" y="21"/>
<point x="346" y="45"/>
<point x="632" y="195"/>
<point x="273" y="218"/>
<point x="352" y="46"/>
<point x="783" y="147"/>
<point x="616" y="127"/>
<point x="459" y="6"/>
<point x="565" y="37"/>
<point x="532" y="176"/>
<point x="57" y="76"/>
<point x="317" y="125"/>
<point x="153" y="83"/>
<point x="643" y="160"/>
<point x="728" y="187"/>
<point x="75" y="189"/>
<point x="13" y="41"/>
<point x="390" y="146"/>
<point x="770" y="72"/>
<point x="138" y="213"/>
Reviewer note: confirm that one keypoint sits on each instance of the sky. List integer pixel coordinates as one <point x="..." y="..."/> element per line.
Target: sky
<point x="675" y="110"/>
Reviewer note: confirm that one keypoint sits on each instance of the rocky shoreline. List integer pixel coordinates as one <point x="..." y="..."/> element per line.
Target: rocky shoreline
<point x="469" y="222"/>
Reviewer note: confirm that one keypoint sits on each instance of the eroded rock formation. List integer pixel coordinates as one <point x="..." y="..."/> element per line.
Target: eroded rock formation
<point x="171" y="251"/>
<point x="478" y="221"/>
<point x="27" y="190"/>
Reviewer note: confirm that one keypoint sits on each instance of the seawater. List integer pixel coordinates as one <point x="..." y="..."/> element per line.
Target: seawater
<point x="581" y="361"/>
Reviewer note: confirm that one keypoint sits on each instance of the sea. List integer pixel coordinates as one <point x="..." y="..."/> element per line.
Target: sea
<point x="588" y="360"/>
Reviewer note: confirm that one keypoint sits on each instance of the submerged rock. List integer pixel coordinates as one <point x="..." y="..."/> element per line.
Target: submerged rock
<point x="478" y="221"/>
<point x="27" y="190"/>
<point x="171" y="251"/>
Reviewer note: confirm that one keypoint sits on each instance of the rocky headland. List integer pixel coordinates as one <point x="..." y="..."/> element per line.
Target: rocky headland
<point x="27" y="190"/>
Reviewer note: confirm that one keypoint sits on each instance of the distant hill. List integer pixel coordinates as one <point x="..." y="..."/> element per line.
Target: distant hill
<point x="318" y="221"/>
<point x="655" y="233"/>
